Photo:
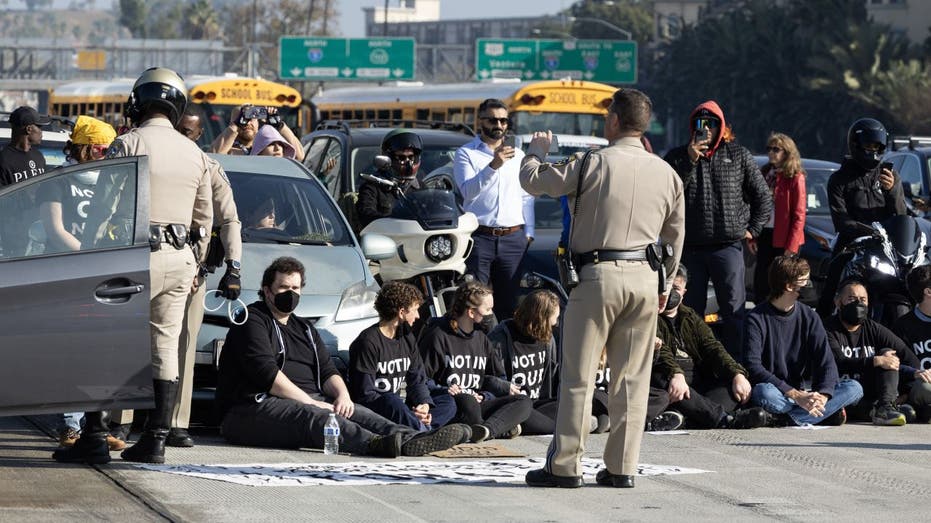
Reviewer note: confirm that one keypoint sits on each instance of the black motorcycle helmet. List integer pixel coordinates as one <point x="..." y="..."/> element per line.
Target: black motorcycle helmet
<point x="400" y="140"/>
<point x="160" y="87"/>
<point x="866" y="142"/>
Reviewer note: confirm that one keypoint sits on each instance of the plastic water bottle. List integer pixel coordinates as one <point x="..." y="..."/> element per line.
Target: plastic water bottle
<point x="331" y="435"/>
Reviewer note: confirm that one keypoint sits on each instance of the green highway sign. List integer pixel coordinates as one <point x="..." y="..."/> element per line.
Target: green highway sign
<point x="609" y="61"/>
<point x="371" y="59"/>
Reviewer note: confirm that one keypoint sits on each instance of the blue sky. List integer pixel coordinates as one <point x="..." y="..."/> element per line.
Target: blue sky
<point x="352" y="22"/>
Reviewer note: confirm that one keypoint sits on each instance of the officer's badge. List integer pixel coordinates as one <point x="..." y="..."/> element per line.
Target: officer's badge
<point x="117" y="149"/>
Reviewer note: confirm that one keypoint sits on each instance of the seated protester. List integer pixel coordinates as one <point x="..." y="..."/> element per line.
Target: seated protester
<point x="915" y="330"/>
<point x="385" y="359"/>
<point x="376" y="200"/>
<point x="527" y="350"/>
<point x="871" y="354"/>
<point x="704" y="382"/>
<point x="276" y="384"/>
<point x="658" y="418"/>
<point x="787" y="355"/>
<point x="459" y="357"/>
<point x="269" y="142"/>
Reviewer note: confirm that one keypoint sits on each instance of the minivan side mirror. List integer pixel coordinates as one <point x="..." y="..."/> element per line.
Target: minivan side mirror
<point x="377" y="246"/>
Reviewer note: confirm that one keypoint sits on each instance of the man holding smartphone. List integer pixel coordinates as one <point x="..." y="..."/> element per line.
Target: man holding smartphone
<point x="486" y="171"/>
<point x="861" y="192"/>
<point x="727" y="201"/>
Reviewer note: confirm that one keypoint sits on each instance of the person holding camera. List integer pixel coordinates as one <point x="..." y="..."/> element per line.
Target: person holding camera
<point x="861" y="192"/>
<point x="727" y="201"/>
<point x="486" y="172"/>
<point x="624" y="199"/>
<point x="244" y="125"/>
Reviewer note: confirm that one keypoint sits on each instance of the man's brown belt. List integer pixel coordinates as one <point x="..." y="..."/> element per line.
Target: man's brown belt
<point x="499" y="231"/>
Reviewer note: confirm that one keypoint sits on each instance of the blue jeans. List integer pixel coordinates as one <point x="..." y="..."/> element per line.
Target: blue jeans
<point x="394" y="408"/>
<point x="70" y="420"/>
<point x="766" y="395"/>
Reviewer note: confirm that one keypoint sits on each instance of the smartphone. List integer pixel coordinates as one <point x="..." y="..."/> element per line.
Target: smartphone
<point x="885" y="165"/>
<point x="510" y="140"/>
<point x="554" y="145"/>
<point x="702" y="135"/>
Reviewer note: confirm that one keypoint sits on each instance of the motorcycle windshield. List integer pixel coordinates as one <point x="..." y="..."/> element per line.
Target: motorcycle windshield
<point x="432" y="208"/>
<point x="903" y="235"/>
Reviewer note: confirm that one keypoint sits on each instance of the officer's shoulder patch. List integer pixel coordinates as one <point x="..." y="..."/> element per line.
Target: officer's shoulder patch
<point x="117" y="149"/>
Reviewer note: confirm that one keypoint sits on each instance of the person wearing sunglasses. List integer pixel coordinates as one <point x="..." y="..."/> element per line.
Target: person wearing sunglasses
<point x="726" y="202"/>
<point x="788" y="358"/>
<point x="784" y="233"/>
<point x="486" y="172"/>
<point x="404" y="148"/>
<point x="861" y="192"/>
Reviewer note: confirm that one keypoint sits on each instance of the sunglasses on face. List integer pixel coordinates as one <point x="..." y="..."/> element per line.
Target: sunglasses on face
<point x="502" y="121"/>
<point x="774" y="149"/>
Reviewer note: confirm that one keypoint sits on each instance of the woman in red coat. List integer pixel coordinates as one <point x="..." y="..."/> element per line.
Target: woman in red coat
<point x="785" y="232"/>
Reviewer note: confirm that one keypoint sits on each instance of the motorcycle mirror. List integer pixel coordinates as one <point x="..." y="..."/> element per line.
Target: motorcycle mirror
<point x="382" y="163"/>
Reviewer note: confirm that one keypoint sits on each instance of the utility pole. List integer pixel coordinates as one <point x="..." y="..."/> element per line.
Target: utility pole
<point x="384" y="23"/>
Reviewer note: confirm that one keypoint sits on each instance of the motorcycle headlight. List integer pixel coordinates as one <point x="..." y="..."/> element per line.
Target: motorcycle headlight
<point x="357" y="302"/>
<point x="882" y="266"/>
<point x="439" y="248"/>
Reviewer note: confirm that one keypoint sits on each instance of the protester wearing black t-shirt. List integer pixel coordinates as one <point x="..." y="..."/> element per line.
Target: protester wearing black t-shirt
<point x="277" y="386"/>
<point x="384" y="361"/>
<point x="460" y="359"/>
<point x="20" y="160"/>
<point x="915" y="330"/>
<point x="871" y="354"/>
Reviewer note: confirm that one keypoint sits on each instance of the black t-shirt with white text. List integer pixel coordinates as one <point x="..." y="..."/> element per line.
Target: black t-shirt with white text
<point x="454" y="357"/>
<point x="524" y="358"/>
<point x="17" y="166"/>
<point x="915" y="330"/>
<point x="379" y="365"/>
<point x="74" y="198"/>
<point x="854" y="351"/>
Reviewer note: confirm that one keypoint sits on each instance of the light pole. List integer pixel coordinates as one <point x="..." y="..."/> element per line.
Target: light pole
<point x="627" y="34"/>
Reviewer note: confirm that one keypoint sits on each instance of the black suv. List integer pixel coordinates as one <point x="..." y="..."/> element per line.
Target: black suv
<point x="338" y="151"/>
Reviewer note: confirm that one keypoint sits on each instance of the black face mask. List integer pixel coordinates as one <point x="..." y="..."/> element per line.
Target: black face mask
<point x="854" y="313"/>
<point x="675" y="298"/>
<point x="286" y="301"/>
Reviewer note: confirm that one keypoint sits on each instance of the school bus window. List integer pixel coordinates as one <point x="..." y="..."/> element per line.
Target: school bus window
<point x="438" y="116"/>
<point x="370" y="114"/>
<point x="358" y="114"/>
<point x="423" y="114"/>
<point x="384" y="114"/>
<point x="396" y="114"/>
<point x="455" y="115"/>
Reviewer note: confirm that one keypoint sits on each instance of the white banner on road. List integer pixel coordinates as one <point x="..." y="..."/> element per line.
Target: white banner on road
<point x="382" y="473"/>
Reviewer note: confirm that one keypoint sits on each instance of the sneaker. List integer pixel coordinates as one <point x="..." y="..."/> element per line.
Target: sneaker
<point x="886" y="415"/>
<point x="388" y="446"/>
<point x="479" y="433"/>
<point x="908" y="411"/>
<point x="439" y="439"/>
<point x="837" y="419"/>
<point x="513" y="433"/>
<point x="68" y="437"/>
<point x="668" y="420"/>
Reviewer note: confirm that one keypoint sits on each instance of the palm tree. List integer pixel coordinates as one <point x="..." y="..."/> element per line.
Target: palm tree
<point x="200" y="21"/>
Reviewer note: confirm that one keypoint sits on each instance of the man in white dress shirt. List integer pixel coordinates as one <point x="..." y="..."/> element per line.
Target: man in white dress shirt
<point x="486" y="172"/>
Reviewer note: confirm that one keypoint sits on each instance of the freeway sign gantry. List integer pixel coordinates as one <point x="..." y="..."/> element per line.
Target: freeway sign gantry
<point x="371" y="59"/>
<point x="609" y="61"/>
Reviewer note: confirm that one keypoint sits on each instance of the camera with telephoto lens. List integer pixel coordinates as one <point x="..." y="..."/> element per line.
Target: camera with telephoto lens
<point x="252" y="112"/>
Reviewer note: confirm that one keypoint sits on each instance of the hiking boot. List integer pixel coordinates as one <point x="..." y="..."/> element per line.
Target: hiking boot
<point x="513" y="433"/>
<point x="479" y="433"/>
<point x="91" y="449"/>
<point x="385" y="446"/>
<point x="837" y="419"/>
<point x="439" y="439"/>
<point x="114" y="443"/>
<point x="751" y="418"/>
<point x="68" y="437"/>
<point x="667" y="420"/>
<point x="886" y="415"/>
<point x="908" y="411"/>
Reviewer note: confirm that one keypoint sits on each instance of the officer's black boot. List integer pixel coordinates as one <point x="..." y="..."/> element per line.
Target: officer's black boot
<point x="151" y="445"/>
<point x="91" y="447"/>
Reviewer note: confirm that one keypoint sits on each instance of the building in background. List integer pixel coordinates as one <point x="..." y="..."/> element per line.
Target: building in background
<point x="911" y="18"/>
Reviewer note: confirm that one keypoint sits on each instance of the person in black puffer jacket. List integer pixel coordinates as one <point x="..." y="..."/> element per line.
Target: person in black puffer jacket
<point x="726" y="201"/>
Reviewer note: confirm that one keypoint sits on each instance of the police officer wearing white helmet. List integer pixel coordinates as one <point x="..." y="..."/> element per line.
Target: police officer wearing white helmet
<point x="180" y="195"/>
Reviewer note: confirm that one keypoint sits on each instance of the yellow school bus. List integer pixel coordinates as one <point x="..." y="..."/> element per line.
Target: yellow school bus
<point x="567" y="107"/>
<point x="216" y="98"/>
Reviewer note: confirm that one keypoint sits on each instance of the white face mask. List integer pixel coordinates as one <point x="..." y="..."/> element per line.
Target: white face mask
<point x="87" y="177"/>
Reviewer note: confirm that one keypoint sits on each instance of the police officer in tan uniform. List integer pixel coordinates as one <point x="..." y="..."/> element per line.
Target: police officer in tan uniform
<point x="227" y="219"/>
<point x="628" y="199"/>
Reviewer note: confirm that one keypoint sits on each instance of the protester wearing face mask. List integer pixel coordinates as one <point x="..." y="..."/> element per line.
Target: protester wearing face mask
<point x="787" y="356"/>
<point x="704" y="382"/>
<point x="871" y="354"/>
<point x="277" y="385"/>
<point x="460" y="358"/>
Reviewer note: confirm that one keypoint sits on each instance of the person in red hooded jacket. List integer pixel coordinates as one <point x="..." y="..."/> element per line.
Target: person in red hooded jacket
<point x="726" y="202"/>
<point x="785" y="231"/>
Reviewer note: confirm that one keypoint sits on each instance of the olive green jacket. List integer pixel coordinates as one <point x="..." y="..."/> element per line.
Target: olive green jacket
<point x="695" y="339"/>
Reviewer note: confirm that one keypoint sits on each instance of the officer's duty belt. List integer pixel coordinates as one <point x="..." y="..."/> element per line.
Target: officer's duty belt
<point x="611" y="255"/>
<point x="174" y="234"/>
